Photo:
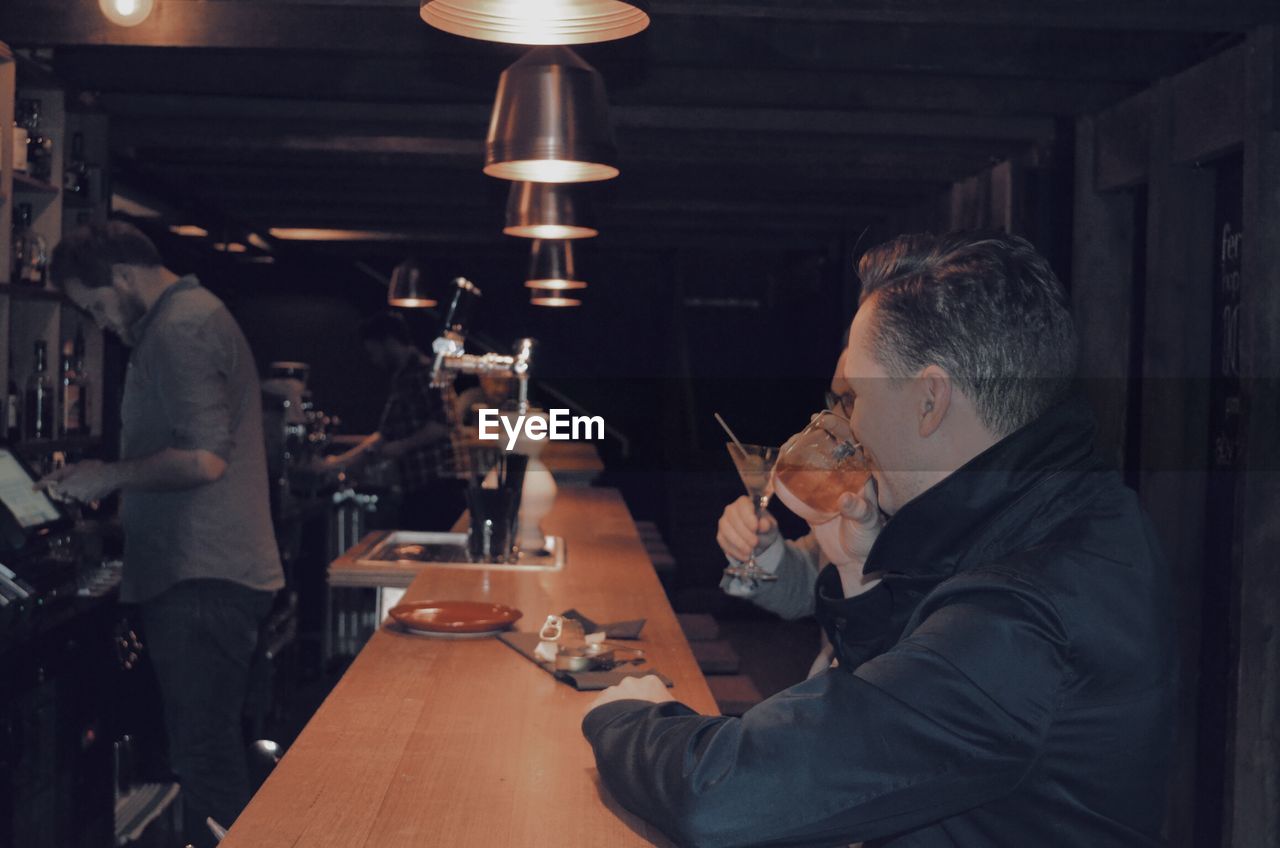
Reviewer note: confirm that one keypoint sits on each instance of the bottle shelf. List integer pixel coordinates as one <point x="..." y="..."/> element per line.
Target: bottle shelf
<point x="22" y="182"/>
<point x="31" y="314"/>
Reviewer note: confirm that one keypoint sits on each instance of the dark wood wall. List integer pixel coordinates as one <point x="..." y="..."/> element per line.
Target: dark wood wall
<point x="1175" y="292"/>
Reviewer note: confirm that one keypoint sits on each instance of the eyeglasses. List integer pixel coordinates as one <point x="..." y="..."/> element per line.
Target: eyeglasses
<point x="841" y="405"/>
<point x="837" y="427"/>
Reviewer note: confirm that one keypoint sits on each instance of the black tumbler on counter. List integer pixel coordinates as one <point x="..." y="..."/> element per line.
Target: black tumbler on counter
<point x="495" y="513"/>
<point x="489" y="537"/>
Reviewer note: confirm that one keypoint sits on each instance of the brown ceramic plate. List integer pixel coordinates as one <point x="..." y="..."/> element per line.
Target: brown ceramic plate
<point x="442" y="618"/>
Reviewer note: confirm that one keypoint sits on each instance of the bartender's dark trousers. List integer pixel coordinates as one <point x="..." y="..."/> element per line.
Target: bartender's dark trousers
<point x="202" y="635"/>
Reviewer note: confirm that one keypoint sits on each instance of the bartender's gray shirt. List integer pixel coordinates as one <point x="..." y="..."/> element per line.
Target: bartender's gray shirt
<point x="192" y="385"/>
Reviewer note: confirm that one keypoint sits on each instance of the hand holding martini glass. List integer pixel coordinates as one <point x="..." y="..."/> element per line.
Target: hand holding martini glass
<point x="755" y="467"/>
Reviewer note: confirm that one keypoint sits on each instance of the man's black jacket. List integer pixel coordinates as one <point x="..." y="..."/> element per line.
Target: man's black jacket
<point x="1009" y="683"/>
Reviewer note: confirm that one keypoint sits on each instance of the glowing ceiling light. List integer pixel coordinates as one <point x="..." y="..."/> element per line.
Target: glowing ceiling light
<point x="551" y="267"/>
<point x="537" y="21"/>
<point x="409" y="286"/>
<point x="126" y="13"/>
<point x="544" y="299"/>
<point x="189" y="230"/>
<point x="547" y="211"/>
<point x="550" y="121"/>
<point x="321" y="234"/>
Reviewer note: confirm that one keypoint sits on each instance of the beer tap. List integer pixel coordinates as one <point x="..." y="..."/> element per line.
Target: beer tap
<point x="451" y="358"/>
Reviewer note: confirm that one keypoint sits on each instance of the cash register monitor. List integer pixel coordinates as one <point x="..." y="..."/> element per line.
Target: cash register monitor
<point x="25" y="512"/>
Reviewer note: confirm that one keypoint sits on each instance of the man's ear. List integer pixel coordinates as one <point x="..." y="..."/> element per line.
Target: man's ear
<point x="934" y="399"/>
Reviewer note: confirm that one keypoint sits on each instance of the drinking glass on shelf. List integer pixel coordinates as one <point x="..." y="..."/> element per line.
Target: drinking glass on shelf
<point x="755" y="467"/>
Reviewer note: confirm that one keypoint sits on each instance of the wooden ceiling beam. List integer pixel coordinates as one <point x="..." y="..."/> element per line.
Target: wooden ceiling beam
<point x="356" y="26"/>
<point x="397" y="79"/>
<point x="747" y="161"/>
<point x="1196" y="15"/>
<point x="152" y="113"/>
<point x="453" y="187"/>
<point x="451" y="238"/>
<point x="612" y="228"/>
<point x="431" y="207"/>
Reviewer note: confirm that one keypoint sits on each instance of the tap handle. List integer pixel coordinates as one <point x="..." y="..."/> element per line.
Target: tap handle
<point x="465" y="295"/>
<point x="521" y="368"/>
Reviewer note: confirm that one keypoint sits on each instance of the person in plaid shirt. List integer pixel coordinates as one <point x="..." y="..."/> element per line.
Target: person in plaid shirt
<point x="417" y="429"/>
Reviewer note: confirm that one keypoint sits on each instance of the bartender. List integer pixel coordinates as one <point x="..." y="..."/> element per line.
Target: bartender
<point x="416" y="429"/>
<point x="200" y="555"/>
<point x="495" y="391"/>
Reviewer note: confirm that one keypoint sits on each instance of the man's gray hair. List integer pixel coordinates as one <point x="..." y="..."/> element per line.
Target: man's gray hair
<point x="984" y="307"/>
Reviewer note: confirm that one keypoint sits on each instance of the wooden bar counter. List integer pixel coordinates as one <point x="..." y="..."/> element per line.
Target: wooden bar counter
<point x="445" y="742"/>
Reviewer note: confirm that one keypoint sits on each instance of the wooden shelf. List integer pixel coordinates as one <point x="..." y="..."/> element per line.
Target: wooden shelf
<point x="22" y="182"/>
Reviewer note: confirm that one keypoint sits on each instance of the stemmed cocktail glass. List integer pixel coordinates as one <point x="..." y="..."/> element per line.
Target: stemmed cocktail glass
<point x="755" y="467"/>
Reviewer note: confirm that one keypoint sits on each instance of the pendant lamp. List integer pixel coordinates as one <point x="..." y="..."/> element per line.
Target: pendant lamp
<point x="556" y="299"/>
<point x="551" y="267"/>
<point x="550" y="121"/>
<point x="548" y="211"/>
<point x="127" y="13"/>
<point x="409" y="286"/>
<point x="537" y="21"/>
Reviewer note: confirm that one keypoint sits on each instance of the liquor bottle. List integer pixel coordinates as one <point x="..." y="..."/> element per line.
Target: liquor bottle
<point x="39" y="144"/>
<point x="72" y="421"/>
<point x="37" y="407"/>
<point x="18" y="244"/>
<point x="20" y="137"/>
<point x="12" y="431"/>
<point x="75" y="180"/>
<point x="86" y="385"/>
<point x="30" y="250"/>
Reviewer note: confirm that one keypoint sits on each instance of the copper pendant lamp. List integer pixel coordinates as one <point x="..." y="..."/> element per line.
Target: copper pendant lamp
<point x="409" y="286"/>
<point x="128" y="13"/>
<point x="549" y="298"/>
<point x="550" y="121"/>
<point x="548" y="211"/>
<point x="551" y="267"/>
<point x="538" y="21"/>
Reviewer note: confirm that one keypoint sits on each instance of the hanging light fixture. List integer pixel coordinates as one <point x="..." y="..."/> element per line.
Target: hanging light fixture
<point x="409" y="286"/>
<point x="538" y="21"/>
<point x="546" y="298"/>
<point x="551" y="266"/>
<point x="126" y="13"/>
<point x="550" y="121"/>
<point x="548" y="211"/>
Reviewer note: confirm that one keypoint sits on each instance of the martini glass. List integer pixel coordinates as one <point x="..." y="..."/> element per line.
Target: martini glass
<point x="755" y="467"/>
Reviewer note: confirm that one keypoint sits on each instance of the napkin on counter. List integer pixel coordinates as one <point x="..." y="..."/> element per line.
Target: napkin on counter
<point x="583" y="681"/>
<point x="588" y="681"/>
<point x="613" y="630"/>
